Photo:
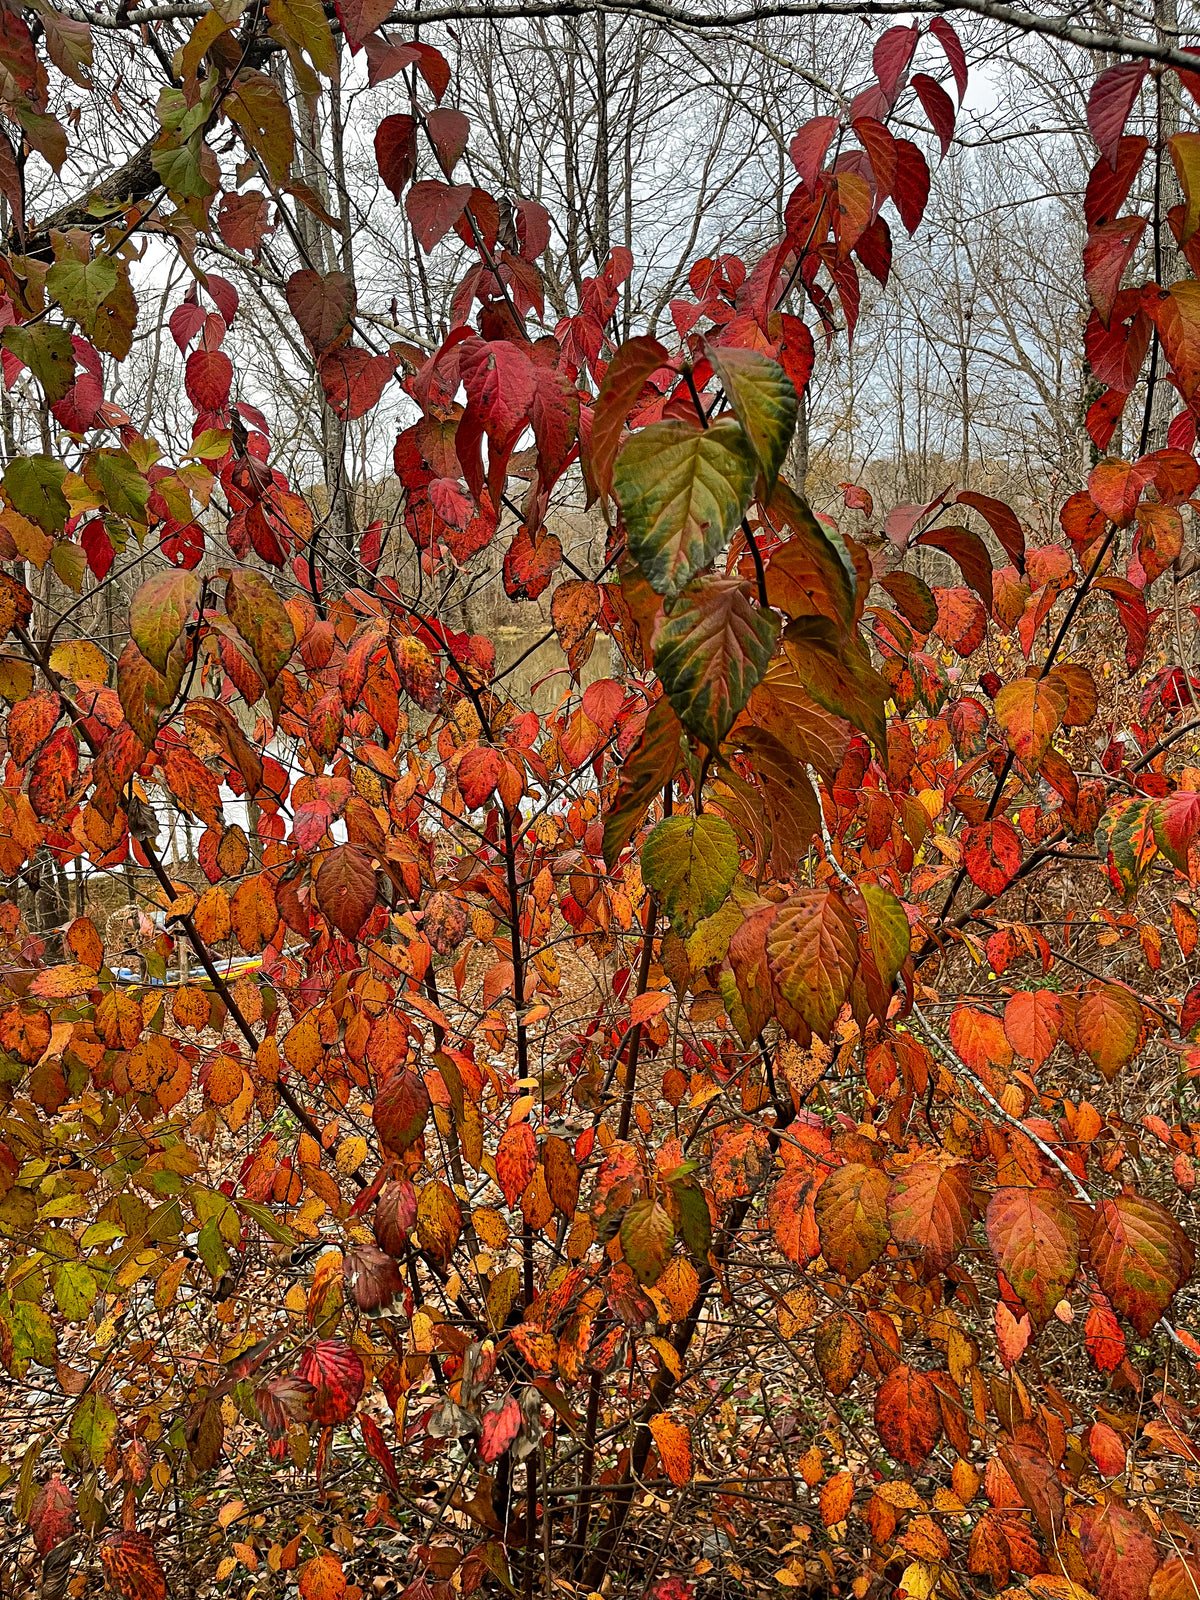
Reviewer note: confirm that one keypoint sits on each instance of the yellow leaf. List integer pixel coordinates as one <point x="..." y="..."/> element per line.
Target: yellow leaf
<point x="902" y="1496"/>
<point x="80" y="660"/>
<point x="669" y="1357"/>
<point x="352" y="1152"/>
<point x="918" y="1581"/>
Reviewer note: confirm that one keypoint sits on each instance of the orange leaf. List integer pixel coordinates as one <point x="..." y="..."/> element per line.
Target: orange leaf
<point x="674" y="1444"/>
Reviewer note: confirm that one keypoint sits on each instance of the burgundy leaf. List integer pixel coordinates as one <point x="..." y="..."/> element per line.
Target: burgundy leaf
<point x="1110" y="103"/>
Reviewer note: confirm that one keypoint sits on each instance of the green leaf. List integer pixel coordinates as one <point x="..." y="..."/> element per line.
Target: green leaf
<point x="33" y="486"/>
<point x="81" y="287"/>
<point x="258" y="614"/>
<point x="682" y="491"/>
<point x="711" y="939"/>
<point x="711" y="651"/>
<point x="33" y="1337"/>
<point x="267" y="1221"/>
<point x="93" y="1427"/>
<point x="736" y="1010"/>
<point x="69" y="563"/>
<point x="159" y="614"/>
<point x="650" y="765"/>
<point x="114" y="474"/>
<point x="47" y="351"/>
<point x="179" y="166"/>
<point x="813" y="949"/>
<point x="647" y="1234"/>
<point x="764" y="398"/>
<point x="211" y="1249"/>
<point x="837" y="672"/>
<point x="75" y="1290"/>
<point x="690" y="863"/>
<point x="695" y="1220"/>
<point x="888" y="931"/>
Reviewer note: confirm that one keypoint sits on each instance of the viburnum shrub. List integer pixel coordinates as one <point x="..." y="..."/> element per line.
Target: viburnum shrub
<point x="743" y="1107"/>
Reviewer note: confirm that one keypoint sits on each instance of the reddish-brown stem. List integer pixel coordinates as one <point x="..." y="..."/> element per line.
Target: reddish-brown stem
<point x="665" y="1382"/>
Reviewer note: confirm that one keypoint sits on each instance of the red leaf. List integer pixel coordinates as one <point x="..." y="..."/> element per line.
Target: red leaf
<point x="1176" y="824"/>
<point x="881" y="149"/>
<point x="1116" y="488"/>
<point x="1110" y="103"/>
<point x="992" y="854"/>
<point x="810" y="147"/>
<point x="52" y="1516"/>
<point x="451" y="502"/>
<point x="930" y="1211"/>
<point x="955" y="55"/>
<point x="377" y="1446"/>
<point x="372" y="1279"/>
<point x="1116" y="353"/>
<point x="1102" y="418"/>
<point x="207" y="379"/>
<point x="891" y="59"/>
<point x="628" y="373"/>
<point x="322" y="305"/>
<point x="433" y="67"/>
<point x="1106" y="255"/>
<point x="530" y="562"/>
<point x="516" y="1161"/>
<point x="185" y="322"/>
<point x="244" y="220"/>
<point x="792" y="1216"/>
<point x="345" y="885"/>
<point x="1108" y="188"/>
<point x="533" y="228"/>
<point x="1141" y="1257"/>
<point x="1119" y="1552"/>
<point x="359" y="18"/>
<point x="1003" y="522"/>
<point x="396" y="152"/>
<point x="971" y="554"/>
<point x="353" y="380"/>
<point x="1106" y="1450"/>
<point x="501" y="1424"/>
<point x="337" y="1376"/>
<point x="433" y="209"/>
<point x="223" y="295"/>
<point x="939" y="108"/>
<point x="912" y="184"/>
<point x="500" y="380"/>
<point x="132" y="1568"/>
<point x="401" y="1110"/>
<point x="1033" y="1236"/>
<point x="1103" y="1337"/>
<point x="448" y="133"/>
<point x="908" y="1416"/>
<point x="478" y="774"/>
